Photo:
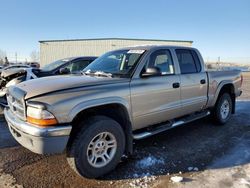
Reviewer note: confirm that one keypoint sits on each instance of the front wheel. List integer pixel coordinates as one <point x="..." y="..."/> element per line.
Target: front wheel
<point x="97" y="148"/>
<point x="223" y="109"/>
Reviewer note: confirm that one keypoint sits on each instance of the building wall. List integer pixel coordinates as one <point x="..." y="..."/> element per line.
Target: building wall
<point x="54" y="50"/>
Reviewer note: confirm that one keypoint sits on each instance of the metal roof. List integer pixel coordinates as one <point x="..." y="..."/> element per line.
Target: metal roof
<point x="150" y="47"/>
<point x="115" y="39"/>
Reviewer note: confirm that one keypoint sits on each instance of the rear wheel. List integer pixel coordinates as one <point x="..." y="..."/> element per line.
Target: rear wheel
<point x="97" y="148"/>
<point x="223" y="109"/>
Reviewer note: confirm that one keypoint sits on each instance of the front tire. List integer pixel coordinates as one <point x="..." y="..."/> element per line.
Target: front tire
<point x="97" y="148"/>
<point x="223" y="109"/>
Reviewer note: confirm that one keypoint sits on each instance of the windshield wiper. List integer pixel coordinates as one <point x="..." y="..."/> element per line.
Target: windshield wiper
<point x="101" y="73"/>
<point x="97" y="73"/>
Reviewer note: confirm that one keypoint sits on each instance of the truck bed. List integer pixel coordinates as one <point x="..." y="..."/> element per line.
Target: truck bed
<point x="218" y="78"/>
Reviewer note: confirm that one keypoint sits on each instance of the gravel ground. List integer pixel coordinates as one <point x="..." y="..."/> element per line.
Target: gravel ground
<point x="203" y="154"/>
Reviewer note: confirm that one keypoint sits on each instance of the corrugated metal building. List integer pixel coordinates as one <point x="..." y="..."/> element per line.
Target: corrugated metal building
<point x="51" y="50"/>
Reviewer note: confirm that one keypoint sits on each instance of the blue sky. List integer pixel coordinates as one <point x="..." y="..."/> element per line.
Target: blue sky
<point x="217" y="27"/>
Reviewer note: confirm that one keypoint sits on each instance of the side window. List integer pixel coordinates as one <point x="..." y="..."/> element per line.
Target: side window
<point x="77" y="66"/>
<point x="188" y="61"/>
<point x="196" y="60"/>
<point x="69" y="66"/>
<point x="163" y="60"/>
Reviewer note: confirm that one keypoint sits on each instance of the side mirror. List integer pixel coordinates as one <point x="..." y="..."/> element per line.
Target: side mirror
<point x="64" y="70"/>
<point x="152" y="71"/>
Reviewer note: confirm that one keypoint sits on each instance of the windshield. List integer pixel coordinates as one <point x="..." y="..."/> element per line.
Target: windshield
<point x="53" y="65"/>
<point x="117" y="63"/>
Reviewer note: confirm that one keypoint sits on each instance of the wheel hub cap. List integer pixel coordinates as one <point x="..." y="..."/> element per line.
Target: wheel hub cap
<point x="225" y="109"/>
<point x="101" y="149"/>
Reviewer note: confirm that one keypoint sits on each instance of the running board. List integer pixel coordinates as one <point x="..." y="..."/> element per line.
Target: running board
<point x="169" y="125"/>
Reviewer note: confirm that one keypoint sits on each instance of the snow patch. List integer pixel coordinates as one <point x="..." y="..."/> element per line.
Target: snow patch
<point x="196" y="169"/>
<point x="144" y="181"/>
<point x="149" y="161"/>
<point x="244" y="181"/>
<point x="237" y="155"/>
<point x="176" y="179"/>
<point x="193" y="168"/>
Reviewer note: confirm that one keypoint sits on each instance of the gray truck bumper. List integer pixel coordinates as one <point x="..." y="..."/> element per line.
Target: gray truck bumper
<point x="39" y="140"/>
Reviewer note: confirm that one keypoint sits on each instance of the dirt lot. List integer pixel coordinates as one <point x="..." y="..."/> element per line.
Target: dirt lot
<point x="203" y="154"/>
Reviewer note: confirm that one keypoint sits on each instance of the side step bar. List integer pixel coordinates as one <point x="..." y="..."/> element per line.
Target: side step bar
<point x="146" y="133"/>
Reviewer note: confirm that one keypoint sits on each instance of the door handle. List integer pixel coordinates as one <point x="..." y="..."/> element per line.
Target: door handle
<point x="176" y="85"/>
<point x="203" y="81"/>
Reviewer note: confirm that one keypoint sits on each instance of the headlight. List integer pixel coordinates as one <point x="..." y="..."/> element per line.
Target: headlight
<point x="39" y="116"/>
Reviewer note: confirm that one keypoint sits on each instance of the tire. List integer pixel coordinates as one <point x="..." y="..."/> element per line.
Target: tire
<point x="91" y="142"/>
<point x="223" y="109"/>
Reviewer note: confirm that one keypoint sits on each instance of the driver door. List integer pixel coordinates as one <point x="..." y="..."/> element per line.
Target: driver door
<point x="156" y="99"/>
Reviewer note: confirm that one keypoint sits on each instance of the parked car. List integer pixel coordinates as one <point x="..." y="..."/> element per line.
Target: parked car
<point x="10" y="67"/>
<point x="126" y="94"/>
<point x="34" y="64"/>
<point x="13" y="76"/>
<point x="14" y="67"/>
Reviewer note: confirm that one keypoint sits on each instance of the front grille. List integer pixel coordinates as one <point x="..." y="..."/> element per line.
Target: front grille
<point x="16" y="106"/>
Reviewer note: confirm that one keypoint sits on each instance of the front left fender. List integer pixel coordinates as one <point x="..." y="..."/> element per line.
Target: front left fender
<point x="96" y="103"/>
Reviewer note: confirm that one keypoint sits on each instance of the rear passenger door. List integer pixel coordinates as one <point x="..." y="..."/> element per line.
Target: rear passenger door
<point x="193" y="81"/>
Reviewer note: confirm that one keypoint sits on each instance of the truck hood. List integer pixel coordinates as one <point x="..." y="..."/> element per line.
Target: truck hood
<point x="45" y="85"/>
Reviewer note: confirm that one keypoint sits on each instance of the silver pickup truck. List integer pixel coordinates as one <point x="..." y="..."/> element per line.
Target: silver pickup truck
<point x="126" y="94"/>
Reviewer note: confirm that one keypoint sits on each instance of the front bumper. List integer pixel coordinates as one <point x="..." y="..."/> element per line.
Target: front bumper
<point x="39" y="140"/>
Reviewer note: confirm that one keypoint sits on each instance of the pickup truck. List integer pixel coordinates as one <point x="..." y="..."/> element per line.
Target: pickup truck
<point x="126" y="94"/>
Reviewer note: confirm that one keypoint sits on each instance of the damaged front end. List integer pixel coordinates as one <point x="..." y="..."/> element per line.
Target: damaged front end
<point x="9" y="78"/>
<point x="9" y="75"/>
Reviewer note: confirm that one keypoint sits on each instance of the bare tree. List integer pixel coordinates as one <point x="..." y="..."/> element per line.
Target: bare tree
<point x="2" y="57"/>
<point x="6" y="61"/>
<point x="34" y="56"/>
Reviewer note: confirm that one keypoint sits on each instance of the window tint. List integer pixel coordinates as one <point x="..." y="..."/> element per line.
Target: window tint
<point x="54" y="65"/>
<point x="196" y="60"/>
<point x="77" y="66"/>
<point x="132" y="59"/>
<point x="187" y="62"/>
<point x="163" y="60"/>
